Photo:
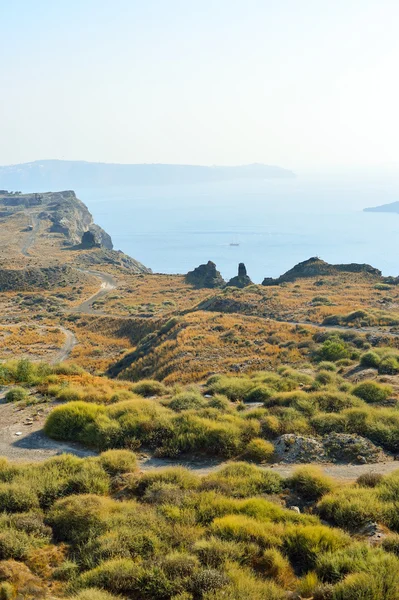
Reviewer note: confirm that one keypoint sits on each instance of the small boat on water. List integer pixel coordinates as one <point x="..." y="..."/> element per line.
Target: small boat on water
<point x="234" y="244"/>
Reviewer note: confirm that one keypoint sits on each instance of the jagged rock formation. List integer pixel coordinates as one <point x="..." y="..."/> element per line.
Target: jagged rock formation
<point x="315" y="267"/>
<point x="89" y="240"/>
<point x="205" y="276"/>
<point x="241" y="280"/>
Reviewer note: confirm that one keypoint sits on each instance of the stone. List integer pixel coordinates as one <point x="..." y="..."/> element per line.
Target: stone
<point x="349" y="447"/>
<point x="291" y="448"/>
<point x="205" y="276"/>
<point x="296" y="509"/>
<point x="241" y="280"/>
<point x="89" y="240"/>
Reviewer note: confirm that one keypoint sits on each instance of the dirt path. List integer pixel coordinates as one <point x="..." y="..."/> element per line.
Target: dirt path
<point x="340" y="472"/>
<point x="108" y="283"/>
<point x="31" y="238"/>
<point x="22" y="437"/>
<point x="64" y="352"/>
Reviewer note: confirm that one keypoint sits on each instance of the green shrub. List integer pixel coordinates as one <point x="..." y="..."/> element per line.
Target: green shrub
<point x="95" y="594"/>
<point x="124" y="576"/>
<point x="149" y="387"/>
<point x="325" y="377"/>
<point x="370" y="479"/>
<point x="214" y="552"/>
<point x="17" y="498"/>
<point x="351" y="508"/>
<point x="326" y="366"/>
<point x="332" y="350"/>
<point x="259" y="450"/>
<point x="276" y="566"/>
<point x="183" y="478"/>
<point x="390" y="543"/>
<point x="206" y="581"/>
<point x="324" y="423"/>
<point x="179" y="564"/>
<point x="388" y="488"/>
<point x="379" y="584"/>
<point x="259" y="393"/>
<point x="219" y="402"/>
<point x="310" y="483"/>
<point x="242" y="479"/>
<point x="7" y="591"/>
<point x="235" y="388"/>
<point x="69" y="422"/>
<point x="16" y="394"/>
<point x="117" y="462"/>
<point x="186" y="401"/>
<point x="389" y="366"/>
<point x="240" y="528"/>
<point x="370" y="391"/>
<point x="303" y="545"/>
<point x="78" y="518"/>
<point x="370" y="360"/>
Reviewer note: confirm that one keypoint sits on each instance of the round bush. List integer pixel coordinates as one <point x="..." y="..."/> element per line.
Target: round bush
<point x="259" y="393"/>
<point x="370" y="480"/>
<point x="149" y="387"/>
<point x="259" y="450"/>
<point x="116" y="462"/>
<point x="310" y="483"/>
<point x="370" y="360"/>
<point x="389" y="366"/>
<point x="206" y="581"/>
<point x="187" y="401"/>
<point x="370" y="391"/>
<point x="17" y="498"/>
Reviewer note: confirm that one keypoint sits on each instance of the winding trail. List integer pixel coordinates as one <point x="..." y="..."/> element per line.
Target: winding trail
<point x="67" y="347"/>
<point x="31" y="237"/>
<point x="108" y="283"/>
<point x="204" y="466"/>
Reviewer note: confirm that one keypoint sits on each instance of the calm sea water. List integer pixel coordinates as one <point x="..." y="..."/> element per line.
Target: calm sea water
<point x="172" y="229"/>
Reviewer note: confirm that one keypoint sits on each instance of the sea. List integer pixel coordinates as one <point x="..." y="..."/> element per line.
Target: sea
<point x="270" y="225"/>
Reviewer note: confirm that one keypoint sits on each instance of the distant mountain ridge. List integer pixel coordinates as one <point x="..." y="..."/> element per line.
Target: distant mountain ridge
<point x="393" y="207"/>
<point x="65" y="174"/>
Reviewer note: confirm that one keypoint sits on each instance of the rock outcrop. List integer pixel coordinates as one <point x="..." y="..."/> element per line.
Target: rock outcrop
<point x="315" y="267"/>
<point x="205" y="276"/>
<point x="241" y="280"/>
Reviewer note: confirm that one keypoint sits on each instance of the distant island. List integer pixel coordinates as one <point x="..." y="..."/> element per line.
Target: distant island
<point x="65" y="174"/>
<point x="393" y="207"/>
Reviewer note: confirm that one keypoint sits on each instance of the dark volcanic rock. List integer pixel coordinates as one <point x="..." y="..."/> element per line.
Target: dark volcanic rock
<point x="89" y="240"/>
<point x="242" y="279"/>
<point x="205" y="276"/>
<point x="315" y="267"/>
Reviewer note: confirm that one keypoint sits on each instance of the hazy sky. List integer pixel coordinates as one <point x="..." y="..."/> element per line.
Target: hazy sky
<point x="299" y="83"/>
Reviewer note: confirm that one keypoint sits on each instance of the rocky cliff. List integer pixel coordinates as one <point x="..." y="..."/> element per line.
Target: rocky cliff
<point x="66" y="213"/>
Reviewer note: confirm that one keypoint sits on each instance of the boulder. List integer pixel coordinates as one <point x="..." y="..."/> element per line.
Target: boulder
<point x="89" y="240"/>
<point x="351" y="448"/>
<point x="292" y="448"/>
<point x="205" y="276"/>
<point x="241" y="280"/>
